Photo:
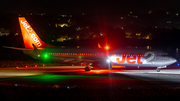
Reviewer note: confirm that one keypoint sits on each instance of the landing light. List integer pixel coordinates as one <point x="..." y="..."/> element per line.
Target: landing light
<point x="108" y="60"/>
<point x="113" y="58"/>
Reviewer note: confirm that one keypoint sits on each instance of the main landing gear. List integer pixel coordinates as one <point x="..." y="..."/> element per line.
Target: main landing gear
<point x="88" y="68"/>
<point x="158" y="68"/>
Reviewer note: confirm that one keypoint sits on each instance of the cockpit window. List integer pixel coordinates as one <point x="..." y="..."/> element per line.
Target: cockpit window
<point x="163" y="54"/>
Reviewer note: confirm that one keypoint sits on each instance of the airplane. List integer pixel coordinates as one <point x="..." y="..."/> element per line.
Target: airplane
<point x="96" y="58"/>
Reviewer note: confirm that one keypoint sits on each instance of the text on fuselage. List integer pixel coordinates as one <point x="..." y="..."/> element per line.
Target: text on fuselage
<point x="129" y="59"/>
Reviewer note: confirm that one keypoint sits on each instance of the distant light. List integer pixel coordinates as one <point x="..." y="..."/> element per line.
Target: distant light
<point x="15" y="85"/>
<point x="178" y="64"/>
<point x="79" y="57"/>
<point x="167" y="12"/>
<point x="68" y="87"/>
<point x="168" y="21"/>
<point x="147" y="47"/>
<point x="150" y="12"/>
<point x="17" y="67"/>
<point x="35" y="65"/>
<point x="16" y="34"/>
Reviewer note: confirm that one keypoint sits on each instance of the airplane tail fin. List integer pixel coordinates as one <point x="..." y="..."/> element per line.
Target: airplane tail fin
<point x="99" y="46"/>
<point x="30" y="37"/>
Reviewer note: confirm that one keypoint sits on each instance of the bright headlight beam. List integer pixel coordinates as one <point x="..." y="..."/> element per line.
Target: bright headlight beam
<point x="108" y="60"/>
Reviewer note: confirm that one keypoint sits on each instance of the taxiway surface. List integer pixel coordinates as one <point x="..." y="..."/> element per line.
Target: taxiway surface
<point x="75" y="75"/>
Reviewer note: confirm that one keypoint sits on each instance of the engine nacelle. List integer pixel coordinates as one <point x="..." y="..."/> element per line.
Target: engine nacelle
<point x="102" y="65"/>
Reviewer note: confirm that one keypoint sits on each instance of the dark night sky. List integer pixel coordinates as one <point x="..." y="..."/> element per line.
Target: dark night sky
<point x="69" y="6"/>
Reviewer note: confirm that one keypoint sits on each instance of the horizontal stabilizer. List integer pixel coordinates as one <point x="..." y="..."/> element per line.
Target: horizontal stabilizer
<point x="16" y="48"/>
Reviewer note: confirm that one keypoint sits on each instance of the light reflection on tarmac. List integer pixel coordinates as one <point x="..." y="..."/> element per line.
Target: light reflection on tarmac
<point x="163" y="75"/>
<point x="76" y="75"/>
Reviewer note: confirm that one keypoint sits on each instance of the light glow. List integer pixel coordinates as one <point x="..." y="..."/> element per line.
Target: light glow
<point x="108" y="60"/>
<point x="107" y="47"/>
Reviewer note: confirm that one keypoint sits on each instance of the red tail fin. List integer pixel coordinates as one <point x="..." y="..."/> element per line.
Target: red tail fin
<point x="29" y="35"/>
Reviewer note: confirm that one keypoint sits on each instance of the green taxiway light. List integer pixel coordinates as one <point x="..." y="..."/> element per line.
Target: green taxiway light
<point x="53" y="77"/>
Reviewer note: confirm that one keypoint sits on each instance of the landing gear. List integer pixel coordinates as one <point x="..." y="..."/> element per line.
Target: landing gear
<point x="158" y="68"/>
<point x="110" y="65"/>
<point x="88" y="68"/>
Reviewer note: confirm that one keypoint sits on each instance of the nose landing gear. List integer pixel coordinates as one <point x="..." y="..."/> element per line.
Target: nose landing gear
<point x="158" y="68"/>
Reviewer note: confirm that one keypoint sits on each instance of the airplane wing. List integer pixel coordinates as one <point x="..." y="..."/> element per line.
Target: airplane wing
<point x="73" y="60"/>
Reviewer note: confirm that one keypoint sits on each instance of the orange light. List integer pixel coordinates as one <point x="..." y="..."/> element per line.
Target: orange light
<point x="17" y="67"/>
<point x="107" y="47"/>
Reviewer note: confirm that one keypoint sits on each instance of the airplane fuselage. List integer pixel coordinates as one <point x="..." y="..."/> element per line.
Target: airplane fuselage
<point x="134" y="58"/>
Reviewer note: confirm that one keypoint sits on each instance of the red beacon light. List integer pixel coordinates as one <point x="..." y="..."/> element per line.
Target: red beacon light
<point x="107" y="47"/>
<point x="26" y="66"/>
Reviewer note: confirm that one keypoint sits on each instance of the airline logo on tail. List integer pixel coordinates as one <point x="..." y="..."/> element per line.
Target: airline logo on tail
<point x="30" y="37"/>
<point x="31" y="33"/>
